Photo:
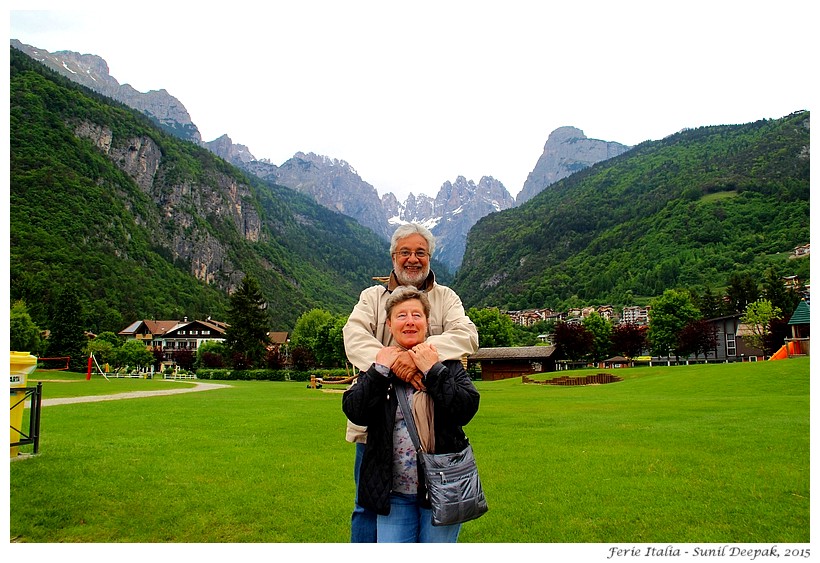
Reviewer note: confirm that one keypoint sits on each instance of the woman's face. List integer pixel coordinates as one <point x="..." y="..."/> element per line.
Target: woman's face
<point x="408" y="323"/>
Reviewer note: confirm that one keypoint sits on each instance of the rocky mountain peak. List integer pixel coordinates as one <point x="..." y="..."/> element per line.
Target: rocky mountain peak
<point x="566" y="151"/>
<point x="224" y="148"/>
<point x="565" y="134"/>
<point x="336" y="185"/>
<point x="458" y="206"/>
<point x="92" y="72"/>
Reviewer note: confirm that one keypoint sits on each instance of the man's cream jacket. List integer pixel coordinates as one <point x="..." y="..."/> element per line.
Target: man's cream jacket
<point x="450" y="330"/>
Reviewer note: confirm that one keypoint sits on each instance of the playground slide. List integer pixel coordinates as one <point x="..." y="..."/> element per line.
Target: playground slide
<point x="785" y="351"/>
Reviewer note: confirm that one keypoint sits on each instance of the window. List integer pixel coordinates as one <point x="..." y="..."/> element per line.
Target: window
<point x="731" y="346"/>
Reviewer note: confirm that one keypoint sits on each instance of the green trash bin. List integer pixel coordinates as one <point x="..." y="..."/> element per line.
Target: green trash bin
<point x="21" y="365"/>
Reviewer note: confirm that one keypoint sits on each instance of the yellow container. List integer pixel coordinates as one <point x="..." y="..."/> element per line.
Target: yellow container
<point x="21" y="365"/>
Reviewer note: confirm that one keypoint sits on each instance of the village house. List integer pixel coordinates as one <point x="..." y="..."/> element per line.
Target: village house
<point x="635" y="315"/>
<point x="277" y="342"/>
<point x="528" y="317"/>
<point x="802" y="250"/>
<point x="170" y="336"/>
<point x="732" y="341"/>
<point x="557" y="316"/>
<point x="606" y="311"/>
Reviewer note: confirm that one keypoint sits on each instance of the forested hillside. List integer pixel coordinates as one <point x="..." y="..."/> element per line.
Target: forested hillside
<point x="88" y="210"/>
<point x="686" y="211"/>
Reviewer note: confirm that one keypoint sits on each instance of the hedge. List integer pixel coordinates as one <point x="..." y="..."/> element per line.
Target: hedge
<point x="268" y="374"/>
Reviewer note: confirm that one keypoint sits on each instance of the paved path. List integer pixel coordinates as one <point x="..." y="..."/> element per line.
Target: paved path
<point x="131" y="395"/>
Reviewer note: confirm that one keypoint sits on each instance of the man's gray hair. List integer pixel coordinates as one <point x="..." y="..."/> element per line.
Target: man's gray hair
<point x="413" y="229"/>
<point x="406" y="293"/>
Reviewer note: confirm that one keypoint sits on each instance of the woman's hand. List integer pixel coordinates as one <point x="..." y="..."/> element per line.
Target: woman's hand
<point x="424" y="356"/>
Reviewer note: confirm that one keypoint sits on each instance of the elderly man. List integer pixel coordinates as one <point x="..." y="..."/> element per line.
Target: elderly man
<point x="451" y="331"/>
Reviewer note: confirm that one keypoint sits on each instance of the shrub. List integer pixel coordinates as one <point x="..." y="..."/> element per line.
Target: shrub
<point x="269" y="374"/>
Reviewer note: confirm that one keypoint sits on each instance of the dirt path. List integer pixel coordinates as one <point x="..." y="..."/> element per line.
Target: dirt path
<point x="131" y="395"/>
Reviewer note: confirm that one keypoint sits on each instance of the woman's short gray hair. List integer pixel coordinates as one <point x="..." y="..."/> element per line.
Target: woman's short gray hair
<point x="412" y="229"/>
<point x="406" y="293"/>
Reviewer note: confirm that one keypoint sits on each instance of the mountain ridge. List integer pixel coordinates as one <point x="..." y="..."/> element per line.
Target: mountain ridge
<point x="334" y="183"/>
<point x="150" y="226"/>
<point x="689" y="210"/>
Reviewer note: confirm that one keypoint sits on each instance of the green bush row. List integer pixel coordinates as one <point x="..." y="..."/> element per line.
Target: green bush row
<point x="268" y="374"/>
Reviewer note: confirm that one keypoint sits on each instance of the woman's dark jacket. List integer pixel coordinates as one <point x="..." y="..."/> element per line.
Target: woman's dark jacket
<point x="372" y="402"/>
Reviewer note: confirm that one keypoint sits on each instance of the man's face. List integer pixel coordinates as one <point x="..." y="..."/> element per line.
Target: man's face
<point x="411" y="269"/>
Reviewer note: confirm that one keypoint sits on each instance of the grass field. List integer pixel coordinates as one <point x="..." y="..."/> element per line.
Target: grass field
<point x="687" y="454"/>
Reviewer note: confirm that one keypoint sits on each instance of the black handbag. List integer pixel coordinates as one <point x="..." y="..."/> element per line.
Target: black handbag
<point x="453" y="487"/>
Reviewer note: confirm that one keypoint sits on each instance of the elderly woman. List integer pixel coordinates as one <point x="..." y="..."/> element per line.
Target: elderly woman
<point x="390" y="483"/>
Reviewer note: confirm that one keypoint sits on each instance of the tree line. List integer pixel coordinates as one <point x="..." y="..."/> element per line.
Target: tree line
<point x="678" y="324"/>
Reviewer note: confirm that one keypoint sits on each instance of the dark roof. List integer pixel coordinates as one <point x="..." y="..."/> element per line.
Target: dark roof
<point x="514" y="353"/>
<point x="152" y="327"/>
<point x="732" y="316"/>
<point x="278" y="337"/>
<point x="801" y="314"/>
<point x="159" y="328"/>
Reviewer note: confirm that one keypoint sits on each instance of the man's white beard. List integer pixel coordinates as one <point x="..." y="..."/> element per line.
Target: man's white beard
<point x="411" y="278"/>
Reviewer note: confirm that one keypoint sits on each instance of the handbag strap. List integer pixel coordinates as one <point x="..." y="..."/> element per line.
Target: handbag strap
<point x="401" y="395"/>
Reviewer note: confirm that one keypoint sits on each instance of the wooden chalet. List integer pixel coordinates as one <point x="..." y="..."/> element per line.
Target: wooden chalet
<point x="506" y="363"/>
<point x="615" y="362"/>
<point x="170" y="336"/>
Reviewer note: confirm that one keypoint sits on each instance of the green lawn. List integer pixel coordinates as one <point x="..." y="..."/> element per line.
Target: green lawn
<point x="707" y="453"/>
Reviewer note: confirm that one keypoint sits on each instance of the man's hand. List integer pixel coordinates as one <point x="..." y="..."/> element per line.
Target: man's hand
<point x="405" y="369"/>
<point x="387" y="356"/>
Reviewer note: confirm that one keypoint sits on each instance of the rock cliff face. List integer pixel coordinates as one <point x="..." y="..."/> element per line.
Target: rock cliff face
<point x="336" y="185"/>
<point x="183" y="205"/>
<point x="567" y="151"/>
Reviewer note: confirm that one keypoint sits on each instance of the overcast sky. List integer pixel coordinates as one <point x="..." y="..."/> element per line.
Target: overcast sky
<point x="414" y="94"/>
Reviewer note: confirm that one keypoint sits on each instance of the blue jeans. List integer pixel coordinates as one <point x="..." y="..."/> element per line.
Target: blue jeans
<point x="410" y="523"/>
<point x="362" y="521"/>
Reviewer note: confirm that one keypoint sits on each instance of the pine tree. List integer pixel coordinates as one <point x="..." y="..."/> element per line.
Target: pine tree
<point x="247" y="334"/>
<point x="67" y="326"/>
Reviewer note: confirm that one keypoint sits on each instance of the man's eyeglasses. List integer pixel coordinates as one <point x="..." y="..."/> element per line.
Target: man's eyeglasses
<point x="404" y="253"/>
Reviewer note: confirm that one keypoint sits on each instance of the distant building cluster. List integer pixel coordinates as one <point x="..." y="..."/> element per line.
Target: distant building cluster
<point x="633" y="315"/>
<point x="629" y="315"/>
